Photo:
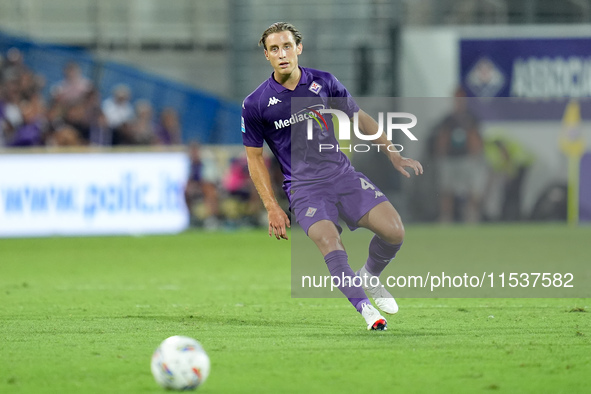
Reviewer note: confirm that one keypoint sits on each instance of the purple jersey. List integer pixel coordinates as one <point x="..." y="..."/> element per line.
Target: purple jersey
<point x="268" y="116"/>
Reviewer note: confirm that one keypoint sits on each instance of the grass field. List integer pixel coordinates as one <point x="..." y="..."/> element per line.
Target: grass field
<point x="83" y="315"/>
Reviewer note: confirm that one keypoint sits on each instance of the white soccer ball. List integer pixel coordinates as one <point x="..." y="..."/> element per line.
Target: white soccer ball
<point x="180" y="363"/>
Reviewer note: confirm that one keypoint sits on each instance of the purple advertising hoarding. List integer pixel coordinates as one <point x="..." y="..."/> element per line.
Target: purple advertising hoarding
<point x="529" y="67"/>
<point x="542" y="74"/>
<point x="538" y="77"/>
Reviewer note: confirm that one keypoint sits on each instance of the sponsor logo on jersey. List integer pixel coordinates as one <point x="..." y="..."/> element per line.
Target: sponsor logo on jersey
<point x="242" y="124"/>
<point x="310" y="212"/>
<point x="306" y="113"/>
<point x="272" y="101"/>
<point x="315" y="87"/>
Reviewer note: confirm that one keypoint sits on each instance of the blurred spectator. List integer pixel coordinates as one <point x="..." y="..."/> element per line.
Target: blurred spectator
<point x="30" y="133"/>
<point x="10" y="111"/>
<point x="83" y="117"/>
<point x="201" y="191"/>
<point x="459" y="150"/>
<point x="13" y="66"/>
<point x="73" y="87"/>
<point x="75" y="117"/>
<point x="22" y="110"/>
<point x="168" y="131"/>
<point x="119" y="114"/>
<point x="65" y="136"/>
<point x="30" y="84"/>
<point x="100" y="133"/>
<point x="143" y="128"/>
<point x="509" y="161"/>
<point x="244" y="202"/>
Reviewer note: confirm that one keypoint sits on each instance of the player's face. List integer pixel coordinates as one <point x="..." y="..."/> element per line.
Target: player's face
<point x="282" y="52"/>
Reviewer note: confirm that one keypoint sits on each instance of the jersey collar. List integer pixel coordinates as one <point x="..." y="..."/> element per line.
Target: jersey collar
<point x="280" y="88"/>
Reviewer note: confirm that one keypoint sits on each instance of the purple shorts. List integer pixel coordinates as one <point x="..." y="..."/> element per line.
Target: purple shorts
<point x="349" y="197"/>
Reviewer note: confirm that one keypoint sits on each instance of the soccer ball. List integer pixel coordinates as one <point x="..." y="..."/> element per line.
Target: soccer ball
<point x="180" y="363"/>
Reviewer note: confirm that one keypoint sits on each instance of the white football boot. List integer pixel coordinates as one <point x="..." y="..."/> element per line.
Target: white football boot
<point x="372" y="317"/>
<point x="383" y="299"/>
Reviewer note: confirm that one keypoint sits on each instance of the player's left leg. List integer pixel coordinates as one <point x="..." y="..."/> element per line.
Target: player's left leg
<point x="385" y="222"/>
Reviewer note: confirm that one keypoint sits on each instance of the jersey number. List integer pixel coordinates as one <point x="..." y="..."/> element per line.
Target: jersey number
<point x="366" y="185"/>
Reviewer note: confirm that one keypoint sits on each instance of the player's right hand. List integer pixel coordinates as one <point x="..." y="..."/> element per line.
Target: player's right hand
<point x="278" y="223"/>
<point x="400" y="162"/>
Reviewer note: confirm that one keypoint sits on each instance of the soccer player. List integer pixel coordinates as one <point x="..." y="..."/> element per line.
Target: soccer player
<point x="321" y="189"/>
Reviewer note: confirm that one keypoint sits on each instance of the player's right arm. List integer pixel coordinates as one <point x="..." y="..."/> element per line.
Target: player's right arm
<point x="259" y="173"/>
<point x="369" y="126"/>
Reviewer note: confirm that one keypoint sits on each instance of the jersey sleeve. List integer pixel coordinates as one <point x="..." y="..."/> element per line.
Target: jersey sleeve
<point x="252" y="125"/>
<point x="341" y="98"/>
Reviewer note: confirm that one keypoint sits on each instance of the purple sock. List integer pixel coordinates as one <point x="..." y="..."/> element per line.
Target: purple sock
<point x="338" y="266"/>
<point x="380" y="255"/>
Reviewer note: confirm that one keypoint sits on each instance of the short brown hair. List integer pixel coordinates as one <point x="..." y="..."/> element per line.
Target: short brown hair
<point x="279" y="27"/>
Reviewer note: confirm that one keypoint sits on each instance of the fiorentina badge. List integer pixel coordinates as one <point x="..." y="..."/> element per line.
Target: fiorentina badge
<point x="315" y="87"/>
<point x="310" y="212"/>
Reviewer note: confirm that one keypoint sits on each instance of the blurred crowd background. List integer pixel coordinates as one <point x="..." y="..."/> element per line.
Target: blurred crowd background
<point x="74" y="113"/>
<point x="152" y="74"/>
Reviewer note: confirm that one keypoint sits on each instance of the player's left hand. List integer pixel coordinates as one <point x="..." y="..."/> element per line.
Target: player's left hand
<point x="278" y="222"/>
<point x="401" y="162"/>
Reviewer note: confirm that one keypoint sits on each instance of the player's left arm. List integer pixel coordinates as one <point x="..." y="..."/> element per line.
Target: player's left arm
<point x="368" y="126"/>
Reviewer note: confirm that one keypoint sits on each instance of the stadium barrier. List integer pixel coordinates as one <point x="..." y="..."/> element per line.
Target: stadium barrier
<point x="92" y="192"/>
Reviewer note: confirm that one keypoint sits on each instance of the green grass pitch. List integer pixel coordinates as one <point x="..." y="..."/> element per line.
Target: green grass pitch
<point x="83" y="315"/>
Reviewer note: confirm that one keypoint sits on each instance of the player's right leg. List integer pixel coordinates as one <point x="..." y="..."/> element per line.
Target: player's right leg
<point x="326" y="236"/>
<point x="361" y="204"/>
<point x="372" y="317"/>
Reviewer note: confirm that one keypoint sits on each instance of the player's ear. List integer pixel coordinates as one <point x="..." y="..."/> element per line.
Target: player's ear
<point x="299" y="48"/>
<point x="266" y="55"/>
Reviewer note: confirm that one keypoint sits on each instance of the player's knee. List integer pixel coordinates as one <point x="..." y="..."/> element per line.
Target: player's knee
<point x="332" y="242"/>
<point x="395" y="233"/>
<point x="328" y="243"/>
